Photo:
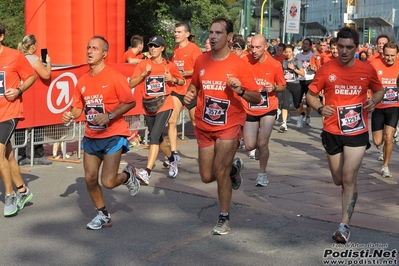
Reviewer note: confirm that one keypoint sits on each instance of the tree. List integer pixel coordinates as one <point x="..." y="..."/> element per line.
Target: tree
<point x="12" y="15"/>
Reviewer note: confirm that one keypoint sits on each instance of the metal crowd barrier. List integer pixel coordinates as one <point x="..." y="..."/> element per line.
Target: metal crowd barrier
<point x="61" y="133"/>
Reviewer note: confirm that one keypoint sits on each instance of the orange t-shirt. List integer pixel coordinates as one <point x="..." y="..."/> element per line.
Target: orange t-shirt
<point x="101" y="94"/>
<point x="154" y="84"/>
<point x="280" y="58"/>
<point x="346" y="89"/>
<point x="375" y="56"/>
<point x="316" y="60"/>
<point x="219" y="107"/>
<point x="387" y="75"/>
<point x="14" y="68"/>
<point x="327" y="58"/>
<point x="129" y="54"/>
<point x="184" y="58"/>
<point x="271" y="71"/>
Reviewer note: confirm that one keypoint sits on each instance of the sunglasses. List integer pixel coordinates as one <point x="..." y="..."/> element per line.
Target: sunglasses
<point x="153" y="45"/>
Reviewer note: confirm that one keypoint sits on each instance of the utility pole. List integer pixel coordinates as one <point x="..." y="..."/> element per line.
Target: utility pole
<point x="247" y="17"/>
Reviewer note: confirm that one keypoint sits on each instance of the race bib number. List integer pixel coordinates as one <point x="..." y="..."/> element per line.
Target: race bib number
<point x="264" y="103"/>
<point x="2" y="82"/>
<point x="390" y="95"/>
<point x="215" y="111"/>
<point x="289" y="75"/>
<point x="155" y="85"/>
<point x="350" y="118"/>
<point x="92" y="111"/>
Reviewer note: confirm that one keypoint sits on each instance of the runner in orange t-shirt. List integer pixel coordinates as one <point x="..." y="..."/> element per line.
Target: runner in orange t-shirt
<point x="184" y="55"/>
<point x="220" y="78"/>
<point x="385" y="117"/>
<point x="269" y="77"/>
<point x="135" y="54"/>
<point x="345" y="134"/>
<point x="16" y="76"/>
<point x="280" y="56"/>
<point x="156" y="77"/>
<point x="103" y="95"/>
<point x="382" y="39"/>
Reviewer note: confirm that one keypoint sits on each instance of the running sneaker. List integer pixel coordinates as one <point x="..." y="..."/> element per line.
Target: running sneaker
<point x="23" y="198"/>
<point x="381" y="157"/>
<point x="10" y="205"/>
<point x="222" y="227"/>
<point x="132" y="183"/>
<point x="278" y="114"/>
<point x="261" y="180"/>
<point x="307" y="121"/>
<point x="143" y="176"/>
<point x="236" y="179"/>
<point x="101" y="220"/>
<point x="342" y="234"/>
<point x="173" y="169"/>
<point x="299" y="122"/>
<point x="166" y="163"/>
<point x="385" y="172"/>
<point x="251" y="154"/>
<point x="283" y="127"/>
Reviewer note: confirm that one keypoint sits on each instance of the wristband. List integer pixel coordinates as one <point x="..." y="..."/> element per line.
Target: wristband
<point x="19" y="91"/>
<point x="242" y="93"/>
<point x="320" y="109"/>
<point x="176" y="81"/>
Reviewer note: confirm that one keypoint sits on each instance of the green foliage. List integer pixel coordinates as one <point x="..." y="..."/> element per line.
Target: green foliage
<point x="12" y="15"/>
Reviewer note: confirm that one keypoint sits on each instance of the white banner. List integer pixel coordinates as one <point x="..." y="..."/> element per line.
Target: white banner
<point x="292" y="16"/>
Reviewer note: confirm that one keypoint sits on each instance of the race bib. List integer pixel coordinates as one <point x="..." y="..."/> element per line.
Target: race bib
<point x="289" y="75"/>
<point x="2" y="83"/>
<point x="390" y="95"/>
<point x="350" y="118"/>
<point x="155" y="85"/>
<point x="215" y="111"/>
<point x="92" y="111"/>
<point x="264" y="103"/>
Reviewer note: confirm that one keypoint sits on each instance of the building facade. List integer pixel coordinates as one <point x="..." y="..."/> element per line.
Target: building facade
<point x="370" y="17"/>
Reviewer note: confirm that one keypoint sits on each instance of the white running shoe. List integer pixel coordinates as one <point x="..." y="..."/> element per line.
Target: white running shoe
<point x="251" y="154"/>
<point x="283" y="127"/>
<point x="385" y="172"/>
<point x="299" y="122"/>
<point x="173" y="169"/>
<point x="261" y="180"/>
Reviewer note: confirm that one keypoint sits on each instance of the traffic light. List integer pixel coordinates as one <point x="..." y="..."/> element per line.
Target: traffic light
<point x="372" y="33"/>
<point x="366" y="33"/>
<point x="265" y="30"/>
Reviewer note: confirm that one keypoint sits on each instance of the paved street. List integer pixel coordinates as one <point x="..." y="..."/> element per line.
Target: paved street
<point x="289" y="222"/>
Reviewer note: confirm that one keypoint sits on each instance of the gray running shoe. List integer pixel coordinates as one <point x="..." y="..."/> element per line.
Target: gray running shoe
<point x="236" y="179"/>
<point x="299" y="122"/>
<point x="132" y="183"/>
<point x="307" y="121"/>
<point x="385" y="172"/>
<point x="10" y="205"/>
<point x="23" y="198"/>
<point x="381" y="157"/>
<point x="42" y="161"/>
<point x="166" y="163"/>
<point x="173" y="169"/>
<point x="143" y="176"/>
<point x="261" y="180"/>
<point x="222" y="227"/>
<point x="99" y="221"/>
<point x="342" y="234"/>
<point x="24" y="161"/>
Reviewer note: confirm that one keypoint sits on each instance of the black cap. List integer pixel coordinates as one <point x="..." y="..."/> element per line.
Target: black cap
<point x="157" y="40"/>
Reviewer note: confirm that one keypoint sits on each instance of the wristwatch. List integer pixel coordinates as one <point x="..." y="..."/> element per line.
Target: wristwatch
<point x="320" y="109"/>
<point x="110" y="116"/>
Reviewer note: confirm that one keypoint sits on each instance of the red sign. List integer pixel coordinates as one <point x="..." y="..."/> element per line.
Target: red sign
<point x="46" y="101"/>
